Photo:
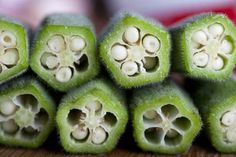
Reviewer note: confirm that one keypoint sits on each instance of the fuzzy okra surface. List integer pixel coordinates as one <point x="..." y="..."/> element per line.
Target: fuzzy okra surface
<point x="92" y="118"/>
<point x="164" y="119"/>
<point x="135" y="50"/>
<point x="27" y="113"/>
<point x="204" y="46"/>
<point x="64" y="51"/>
<point x="217" y="106"/>
<point x="13" y="48"/>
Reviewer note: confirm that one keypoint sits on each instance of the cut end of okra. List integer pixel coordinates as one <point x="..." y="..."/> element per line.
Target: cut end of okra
<point x="135" y="49"/>
<point x="209" y="47"/>
<point x="13" y="49"/>
<point x="165" y="123"/>
<point x="64" y="55"/>
<point x="93" y="122"/>
<point x="26" y="115"/>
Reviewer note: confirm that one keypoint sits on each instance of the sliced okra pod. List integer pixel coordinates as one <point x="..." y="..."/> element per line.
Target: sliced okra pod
<point x="64" y="51"/>
<point x="92" y="118"/>
<point x="204" y="46"/>
<point x="27" y="113"/>
<point x="164" y="119"/>
<point x="13" y="48"/>
<point x="135" y="50"/>
<point x="217" y="105"/>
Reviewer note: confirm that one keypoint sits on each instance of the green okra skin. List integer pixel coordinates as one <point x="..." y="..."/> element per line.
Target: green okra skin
<point x="13" y="48"/>
<point x="217" y="105"/>
<point x="204" y="46"/>
<point x="92" y="118"/>
<point x="135" y="50"/>
<point x="64" y="51"/>
<point x="164" y="119"/>
<point x="27" y="113"/>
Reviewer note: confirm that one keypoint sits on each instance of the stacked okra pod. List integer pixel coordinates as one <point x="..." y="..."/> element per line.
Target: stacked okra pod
<point x="135" y="50"/>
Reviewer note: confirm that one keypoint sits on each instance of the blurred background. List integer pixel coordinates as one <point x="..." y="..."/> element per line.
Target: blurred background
<point x="167" y="12"/>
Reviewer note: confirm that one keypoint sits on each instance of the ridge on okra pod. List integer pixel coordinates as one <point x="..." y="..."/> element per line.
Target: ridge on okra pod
<point x="204" y="46"/>
<point x="164" y="119"/>
<point x="64" y="51"/>
<point x="92" y="118"/>
<point x="135" y="50"/>
<point x="13" y="48"/>
<point x="217" y="105"/>
<point x="27" y="113"/>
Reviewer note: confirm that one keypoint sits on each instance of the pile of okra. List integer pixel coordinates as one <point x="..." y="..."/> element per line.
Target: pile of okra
<point x="134" y="54"/>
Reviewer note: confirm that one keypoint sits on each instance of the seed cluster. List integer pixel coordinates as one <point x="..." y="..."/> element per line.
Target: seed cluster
<point x="63" y="56"/>
<point x="9" y="53"/>
<point x="136" y="52"/>
<point x="211" y="47"/>
<point x="165" y="125"/>
<point x="22" y="116"/>
<point x="91" y="123"/>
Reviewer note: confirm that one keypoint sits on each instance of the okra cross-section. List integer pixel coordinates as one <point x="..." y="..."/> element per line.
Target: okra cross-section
<point x="13" y="48"/>
<point x="164" y="119"/>
<point x="204" y="47"/>
<point x="27" y="114"/>
<point x="135" y="50"/>
<point x="64" y="51"/>
<point x="92" y="118"/>
<point x="218" y="110"/>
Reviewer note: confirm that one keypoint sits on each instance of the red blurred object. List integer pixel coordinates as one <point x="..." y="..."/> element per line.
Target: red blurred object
<point x="229" y="10"/>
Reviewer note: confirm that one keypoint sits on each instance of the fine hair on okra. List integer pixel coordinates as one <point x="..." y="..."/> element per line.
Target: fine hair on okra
<point x="13" y="48"/>
<point x="64" y="51"/>
<point x="92" y="118"/>
<point x="164" y="118"/>
<point x="27" y="113"/>
<point x="204" y="46"/>
<point x="217" y="105"/>
<point x="135" y="50"/>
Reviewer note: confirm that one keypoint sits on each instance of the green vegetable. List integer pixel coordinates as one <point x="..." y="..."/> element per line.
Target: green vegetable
<point x="204" y="46"/>
<point x="164" y="119"/>
<point x="64" y="51"/>
<point x="135" y="50"/>
<point x="217" y="105"/>
<point x="27" y="113"/>
<point x="13" y="48"/>
<point x="92" y="118"/>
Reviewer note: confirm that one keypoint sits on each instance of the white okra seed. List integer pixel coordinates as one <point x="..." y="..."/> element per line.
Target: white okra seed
<point x="200" y="59"/>
<point x="77" y="43"/>
<point x="10" y="126"/>
<point x="94" y="105"/>
<point x="226" y="46"/>
<point x="10" y="57"/>
<point x="64" y="74"/>
<point x="230" y="134"/>
<point x="131" y="34"/>
<point x="216" y="29"/>
<point x="7" y="107"/>
<point x="151" y="43"/>
<point x="199" y="37"/>
<point x="218" y="63"/>
<point x="151" y="114"/>
<point x="80" y="133"/>
<point x="129" y="68"/>
<point x="99" y="135"/>
<point x="119" y="52"/>
<point x="8" y="39"/>
<point x="49" y="60"/>
<point x="56" y="43"/>
<point x="30" y="129"/>
<point x="228" y="118"/>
